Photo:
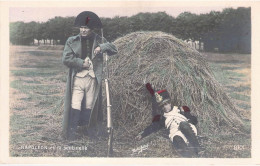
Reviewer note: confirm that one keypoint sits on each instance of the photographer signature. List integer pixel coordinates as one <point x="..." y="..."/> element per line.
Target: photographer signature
<point x="140" y="149"/>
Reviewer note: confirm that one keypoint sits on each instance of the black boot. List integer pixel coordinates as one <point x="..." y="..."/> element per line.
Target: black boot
<point x="73" y="123"/>
<point x="188" y="132"/>
<point x="181" y="147"/>
<point x="84" y="117"/>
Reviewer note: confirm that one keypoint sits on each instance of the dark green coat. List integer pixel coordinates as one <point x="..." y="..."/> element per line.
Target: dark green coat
<point x="71" y="58"/>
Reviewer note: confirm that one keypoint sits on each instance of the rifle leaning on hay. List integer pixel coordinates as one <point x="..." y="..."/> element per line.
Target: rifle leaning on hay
<point x="109" y="115"/>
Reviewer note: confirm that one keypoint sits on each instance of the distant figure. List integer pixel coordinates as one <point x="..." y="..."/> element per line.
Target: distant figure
<point x="83" y="55"/>
<point x="179" y="122"/>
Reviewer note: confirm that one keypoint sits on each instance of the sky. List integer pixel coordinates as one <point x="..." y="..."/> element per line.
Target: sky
<point x="42" y="14"/>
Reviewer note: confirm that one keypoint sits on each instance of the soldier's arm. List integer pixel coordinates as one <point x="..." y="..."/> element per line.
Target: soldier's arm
<point x="154" y="127"/>
<point x="184" y="110"/>
<point x="192" y="119"/>
<point x="107" y="47"/>
<point x="70" y="59"/>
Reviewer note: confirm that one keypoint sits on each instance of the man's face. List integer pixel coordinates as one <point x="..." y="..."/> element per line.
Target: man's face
<point x="167" y="107"/>
<point x="84" y="31"/>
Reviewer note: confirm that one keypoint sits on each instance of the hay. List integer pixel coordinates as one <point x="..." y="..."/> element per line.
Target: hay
<point x="166" y="62"/>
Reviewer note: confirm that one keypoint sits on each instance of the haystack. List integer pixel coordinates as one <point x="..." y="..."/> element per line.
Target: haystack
<point x="167" y="63"/>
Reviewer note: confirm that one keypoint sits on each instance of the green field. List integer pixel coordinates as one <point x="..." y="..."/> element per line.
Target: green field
<point x="37" y="86"/>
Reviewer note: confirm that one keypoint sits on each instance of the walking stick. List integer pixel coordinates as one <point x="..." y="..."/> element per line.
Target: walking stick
<point x="109" y="115"/>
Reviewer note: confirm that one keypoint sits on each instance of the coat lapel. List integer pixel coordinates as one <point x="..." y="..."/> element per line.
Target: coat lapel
<point x="76" y="46"/>
<point x="94" y="45"/>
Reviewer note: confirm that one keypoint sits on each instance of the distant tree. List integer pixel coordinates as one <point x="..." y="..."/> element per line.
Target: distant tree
<point x="21" y="33"/>
<point x="67" y="26"/>
<point x="206" y="24"/>
<point x="116" y="27"/>
<point x="159" y="21"/>
<point x="229" y="30"/>
<point x="31" y="30"/>
<point x="39" y="32"/>
<point x="185" y="26"/>
<point x="232" y="33"/>
<point x="162" y="22"/>
<point x="14" y="28"/>
<point x="59" y="29"/>
<point x="55" y="28"/>
<point x="44" y="31"/>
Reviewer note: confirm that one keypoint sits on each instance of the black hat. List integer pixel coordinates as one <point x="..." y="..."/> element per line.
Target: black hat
<point x="162" y="96"/>
<point x="89" y="19"/>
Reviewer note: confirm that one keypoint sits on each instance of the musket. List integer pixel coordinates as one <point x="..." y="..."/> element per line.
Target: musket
<point x="109" y="115"/>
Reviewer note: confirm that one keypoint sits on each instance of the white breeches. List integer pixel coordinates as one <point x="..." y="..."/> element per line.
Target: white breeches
<point x="83" y="86"/>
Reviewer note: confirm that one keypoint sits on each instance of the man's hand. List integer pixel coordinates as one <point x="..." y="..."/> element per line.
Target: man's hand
<point x="97" y="50"/>
<point x="86" y="64"/>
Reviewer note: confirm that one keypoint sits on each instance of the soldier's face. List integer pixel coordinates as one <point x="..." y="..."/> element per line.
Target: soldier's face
<point x="167" y="107"/>
<point x="84" y="31"/>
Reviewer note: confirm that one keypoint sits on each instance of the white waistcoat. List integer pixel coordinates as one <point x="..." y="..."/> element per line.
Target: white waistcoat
<point x="89" y="72"/>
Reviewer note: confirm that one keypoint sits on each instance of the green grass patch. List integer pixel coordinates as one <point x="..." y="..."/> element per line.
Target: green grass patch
<point x="45" y="64"/>
<point x="42" y="95"/>
<point x="32" y="81"/>
<point x="230" y="68"/>
<point x="229" y="62"/>
<point x="226" y="77"/>
<point x="26" y="99"/>
<point x="60" y="77"/>
<point x="42" y="53"/>
<point x="57" y="106"/>
<point x="37" y="66"/>
<point x="240" y="97"/>
<point x="228" y="145"/>
<point x="46" y="101"/>
<point x="20" y="108"/>
<point x="34" y="89"/>
<point x="34" y="73"/>
<point x="238" y="89"/>
<point x="24" y="130"/>
<point x="245" y="106"/>
<point x="21" y="123"/>
<point x="232" y="74"/>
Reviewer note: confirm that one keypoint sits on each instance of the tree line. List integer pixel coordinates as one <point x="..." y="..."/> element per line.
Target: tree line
<point x="226" y="31"/>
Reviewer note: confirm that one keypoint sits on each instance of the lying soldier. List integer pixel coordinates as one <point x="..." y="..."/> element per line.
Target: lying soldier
<point x="178" y="121"/>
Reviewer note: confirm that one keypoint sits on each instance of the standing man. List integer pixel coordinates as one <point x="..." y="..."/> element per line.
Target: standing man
<point x="83" y="55"/>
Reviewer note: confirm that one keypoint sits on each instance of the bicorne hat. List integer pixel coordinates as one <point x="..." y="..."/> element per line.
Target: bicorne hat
<point x="89" y="19"/>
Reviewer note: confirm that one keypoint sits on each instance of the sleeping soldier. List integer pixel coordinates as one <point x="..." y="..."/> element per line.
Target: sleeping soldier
<point x="179" y="123"/>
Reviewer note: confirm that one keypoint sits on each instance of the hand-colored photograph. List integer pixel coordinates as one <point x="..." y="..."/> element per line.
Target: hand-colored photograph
<point x="130" y="82"/>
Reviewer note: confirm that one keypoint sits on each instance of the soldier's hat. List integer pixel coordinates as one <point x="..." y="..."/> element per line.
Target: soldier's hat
<point x="162" y="96"/>
<point x="89" y="19"/>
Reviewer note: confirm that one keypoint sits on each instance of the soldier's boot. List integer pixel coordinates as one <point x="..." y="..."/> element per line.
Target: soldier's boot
<point x="84" y="117"/>
<point x="188" y="132"/>
<point x="84" y="120"/>
<point x="181" y="147"/>
<point x="73" y="124"/>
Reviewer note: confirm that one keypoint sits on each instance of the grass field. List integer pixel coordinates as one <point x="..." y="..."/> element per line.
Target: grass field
<point x="37" y="86"/>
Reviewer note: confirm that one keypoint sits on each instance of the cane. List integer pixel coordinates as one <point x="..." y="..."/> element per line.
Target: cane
<point x="109" y="115"/>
